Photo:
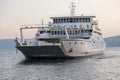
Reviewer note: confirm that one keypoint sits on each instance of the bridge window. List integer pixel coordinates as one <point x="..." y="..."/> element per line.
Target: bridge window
<point x="86" y="19"/>
<point x="79" y="19"/>
<point x="76" y="19"/>
<point x="55" y="32"/>
<point x="71" y="20"/>
<point x="79" y="31"/>
<point x="61" y="32"/>
<point x="61" y="20"/>
<point x="64" y="32"/>
<point x="70" y="32"/>
<point x="56" y="20"/>
<point x="48" y="31"/>
<point x="76" y="31"/>
<point x="67" y="20"/>
<point x="41" y="32"/>
<point x="51" y="32"/>
<point x="83" y="19"/>
<point x="53" y="20"/>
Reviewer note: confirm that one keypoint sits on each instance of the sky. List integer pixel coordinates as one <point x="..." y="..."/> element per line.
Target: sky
<point x="14" y="13"/>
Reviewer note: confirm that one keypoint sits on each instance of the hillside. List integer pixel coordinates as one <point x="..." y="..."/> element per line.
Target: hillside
<point x="7" y="43"/>
<point x="113" y="41"/>
<point x="110" y="41"/>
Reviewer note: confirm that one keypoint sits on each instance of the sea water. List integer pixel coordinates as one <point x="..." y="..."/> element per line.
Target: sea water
<point x="13" y="66"/>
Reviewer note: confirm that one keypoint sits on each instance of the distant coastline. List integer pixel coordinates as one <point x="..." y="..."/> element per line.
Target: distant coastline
<point x="113" y="41"/>
<point x="7" y="43"/>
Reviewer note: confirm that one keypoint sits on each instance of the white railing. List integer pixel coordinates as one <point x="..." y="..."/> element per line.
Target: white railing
<point x="35" y="25"/>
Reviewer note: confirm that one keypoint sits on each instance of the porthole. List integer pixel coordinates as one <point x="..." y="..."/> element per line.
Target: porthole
<point x="75" y="42"/>
<point x="69" y="42"/>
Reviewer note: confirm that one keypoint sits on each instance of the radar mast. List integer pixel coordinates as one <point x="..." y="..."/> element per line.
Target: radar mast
<point x="72" y="9"/>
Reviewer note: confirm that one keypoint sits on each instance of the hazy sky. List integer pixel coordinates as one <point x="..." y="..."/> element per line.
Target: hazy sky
<point x="14" y="13"/>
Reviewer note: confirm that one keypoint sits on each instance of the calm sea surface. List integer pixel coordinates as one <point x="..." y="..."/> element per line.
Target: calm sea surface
<point x="13" y="66"/>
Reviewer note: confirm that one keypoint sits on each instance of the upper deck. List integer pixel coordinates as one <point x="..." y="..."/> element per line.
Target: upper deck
<point x="72" y="19"/>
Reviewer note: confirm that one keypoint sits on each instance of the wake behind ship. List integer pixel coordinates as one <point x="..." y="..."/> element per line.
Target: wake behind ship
<point x="66" y="36"/>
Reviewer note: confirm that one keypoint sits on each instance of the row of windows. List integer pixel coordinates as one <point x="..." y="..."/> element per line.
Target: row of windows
<point x="80" y="26"/>
<point x="73" y="32"/>
<point x="62" y="32"/>
<point x="70" y="20"/>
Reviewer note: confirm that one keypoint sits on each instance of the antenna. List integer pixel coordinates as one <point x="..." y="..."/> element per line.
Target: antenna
<point x="42" y="23"/>
<point x="72" y="8"/>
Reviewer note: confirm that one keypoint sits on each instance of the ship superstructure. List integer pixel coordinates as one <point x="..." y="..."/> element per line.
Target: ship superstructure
<point x="66" y="36"/>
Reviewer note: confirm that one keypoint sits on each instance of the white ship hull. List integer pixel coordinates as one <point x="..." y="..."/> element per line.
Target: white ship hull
<point x="79" y="47"/>
<point x="68" y="48"/>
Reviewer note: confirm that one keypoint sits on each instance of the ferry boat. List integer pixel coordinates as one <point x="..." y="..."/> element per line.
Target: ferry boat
<point x="66" y="36"/>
